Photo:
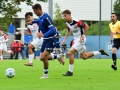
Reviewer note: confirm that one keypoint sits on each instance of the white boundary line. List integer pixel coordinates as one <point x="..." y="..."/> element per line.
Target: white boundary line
<point x="21" y="28"/>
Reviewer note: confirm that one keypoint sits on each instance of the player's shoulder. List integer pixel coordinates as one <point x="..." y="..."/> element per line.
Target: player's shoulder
<point x="110" y="24"/>
<point x="118" y="22"/>
<point x="45" y="15"/>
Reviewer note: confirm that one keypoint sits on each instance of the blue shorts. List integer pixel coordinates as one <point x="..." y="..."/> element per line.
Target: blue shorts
<point x="48" y="44"/>
<point x="57" y="45"/>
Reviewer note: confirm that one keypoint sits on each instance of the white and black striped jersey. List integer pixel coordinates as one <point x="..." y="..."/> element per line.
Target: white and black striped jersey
<point x="3" y="38"/>
<point x="77" y="28"/>
<point x="33" y="29"/>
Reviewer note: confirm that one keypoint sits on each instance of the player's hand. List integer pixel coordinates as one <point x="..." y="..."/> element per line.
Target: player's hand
<point x="82" y="38"/>
<point x="40" y="34"/>
<point x="25" y="32"/>
<point x="113" y="33"/>
<point x="28" y="23"/>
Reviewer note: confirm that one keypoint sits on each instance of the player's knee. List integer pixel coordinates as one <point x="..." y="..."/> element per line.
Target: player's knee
<point x="70" y="53"/>
<point x="30" y="47"/>
<point x="41" y="58"/>
<point x="84" y="57"/>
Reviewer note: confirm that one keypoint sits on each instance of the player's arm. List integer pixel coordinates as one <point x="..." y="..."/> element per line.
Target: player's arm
<point x="86" y="27"/>
<point x="83" y="25"/>
<point x="51" y="28"/>
<point x="5" y="38"/>
<point x="111" y="36"/>
<point x="66" y="36"/>
<point x="28" y="33"/>
<point x="35" y="21"/>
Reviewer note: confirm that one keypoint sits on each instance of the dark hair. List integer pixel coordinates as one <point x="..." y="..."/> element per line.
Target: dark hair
<point x="113" y="13"/>
<point x="66" y="12"/>
<point x="37" y="6"/>
<point x="1" y="29"/>
<point x="28" y="13"/>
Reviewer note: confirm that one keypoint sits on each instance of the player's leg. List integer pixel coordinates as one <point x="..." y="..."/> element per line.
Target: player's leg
<point x="5" y="49"/>
<point x="1" y="56"/>
<point x="116" y="44"/>
<point x="71" y="62"/>
<point x="44" y="58"/>
<point x="54" y="56"/>
<point x="114" y="58"/>
<point x="46" y="48"/>
<point x="31" y="55"/>
<point x="86" y="55"/>
<point x="54" y="50"/>
<point x="60" y="56"/>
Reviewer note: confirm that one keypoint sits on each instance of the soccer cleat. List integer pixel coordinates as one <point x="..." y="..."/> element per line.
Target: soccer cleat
<point x="28" y="64"/>
<point x="44" y="76"/>
<point x="103" y="52"/>
<point x="61" y="58"/>
<point x="114" y="67"/>
<point x="68" y="73"/>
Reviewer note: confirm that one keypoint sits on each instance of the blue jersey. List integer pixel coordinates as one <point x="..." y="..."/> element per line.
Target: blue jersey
<point x="57" y="39"/>
<point x="46" y="26"/>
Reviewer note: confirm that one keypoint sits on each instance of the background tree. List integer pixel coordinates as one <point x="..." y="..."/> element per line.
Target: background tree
<point x="9" y="9"/>
<point x="117" y="8"/>
<point x="58" y="20"/>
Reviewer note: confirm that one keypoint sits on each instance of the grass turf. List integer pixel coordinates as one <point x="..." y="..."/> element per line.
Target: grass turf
<point x="91" y="74"/>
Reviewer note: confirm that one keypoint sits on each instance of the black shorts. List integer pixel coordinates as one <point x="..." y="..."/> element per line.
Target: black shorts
<point x="116" y="43"/>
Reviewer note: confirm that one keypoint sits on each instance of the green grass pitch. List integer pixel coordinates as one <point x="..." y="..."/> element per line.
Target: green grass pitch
<point x="91" y="74"/>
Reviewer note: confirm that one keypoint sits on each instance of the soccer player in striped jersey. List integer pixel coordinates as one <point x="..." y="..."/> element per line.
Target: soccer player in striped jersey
<point x="3" y="46"/>
<point x="79" y="30"/>
<point x="33" y="30"/>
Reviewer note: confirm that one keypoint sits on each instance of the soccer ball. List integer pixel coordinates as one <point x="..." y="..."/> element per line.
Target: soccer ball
<point x="10" y="72"/>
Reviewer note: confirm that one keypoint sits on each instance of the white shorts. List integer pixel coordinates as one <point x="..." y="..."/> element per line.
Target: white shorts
<point x="79" y="46"/>
<point x="37" y="43"/>
<point x="3" y="46"/>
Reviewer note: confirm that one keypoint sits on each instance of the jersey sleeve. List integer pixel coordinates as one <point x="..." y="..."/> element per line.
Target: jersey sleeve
<point x="49" y="24"/>
<point x="32" y="27"/>
<point x="81" y="24"/>
<point x="35" y="21"/>
<point x="5" y="38"/>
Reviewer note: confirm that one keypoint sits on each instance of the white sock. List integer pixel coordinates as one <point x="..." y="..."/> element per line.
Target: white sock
<point x="31" y="57"/>
<point x="96" y="53"/>
<point x="52" y="56"/>
<point x="1" y="57"/>
<point x="71" y="67"/>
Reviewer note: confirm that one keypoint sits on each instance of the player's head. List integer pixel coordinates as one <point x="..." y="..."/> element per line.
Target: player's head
<point x="37" y="9"/>
<point x="113" y="17"/>
<point x="29" y="16"/>
<point x="67" y="15"/>
<point x="1" y="30"/>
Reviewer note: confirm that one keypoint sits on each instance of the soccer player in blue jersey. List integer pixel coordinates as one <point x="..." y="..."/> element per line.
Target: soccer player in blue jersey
<point x="48" y="32"/>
